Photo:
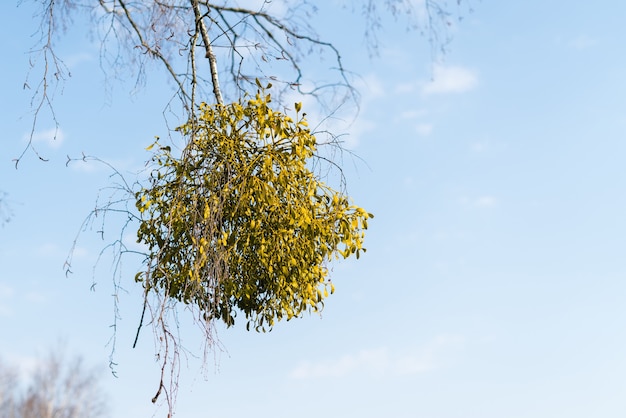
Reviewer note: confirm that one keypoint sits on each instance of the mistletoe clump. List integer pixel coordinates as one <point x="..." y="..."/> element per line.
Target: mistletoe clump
<point x="239" y="222"/>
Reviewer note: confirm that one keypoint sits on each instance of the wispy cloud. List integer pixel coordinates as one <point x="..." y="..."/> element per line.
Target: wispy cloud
<point x="22" y="364"/>
<point x="51" y="250"/>
<point x="404" y="88"/>
<point x="87" y="166"/>
<point x="95" y="165"/>
<point x="48" y="250"/>
<point x="381" y="361"/>
<point x="6" y="293"/>
<point x="345" y="121"/>
<point x="412" y="114"/>
<point x="444" y="80"/>
<point x="76" y="59"/>
<point x="479" y="146"/>
<point x="51" y="137"/>
<point x="452" y="79"/>
<point x="485" y="201"/>
<point x="368" y="360"/>
<point x="582" y="42"/>
<point x="424" y="129"/>
<point x="371" y="89"/>
<point x="35" y="297"/>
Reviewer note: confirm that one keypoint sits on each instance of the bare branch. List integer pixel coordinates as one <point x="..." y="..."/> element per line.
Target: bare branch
<point x="42" y="97"/>
<point x="209" y="52"/>
<point x="244" y="44"/>
<point x="58" y="387"/>
<point x="155" y="52"/>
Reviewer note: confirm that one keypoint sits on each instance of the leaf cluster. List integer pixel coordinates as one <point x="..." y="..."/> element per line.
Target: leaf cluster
<point x="239" y="222"/>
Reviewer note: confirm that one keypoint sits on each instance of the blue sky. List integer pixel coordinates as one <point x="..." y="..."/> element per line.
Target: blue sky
<point x="493" y="285"/>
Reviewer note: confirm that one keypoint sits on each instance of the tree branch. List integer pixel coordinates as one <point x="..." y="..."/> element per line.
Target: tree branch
<point x="209" y="51"/>
<point x="155" y="53"/>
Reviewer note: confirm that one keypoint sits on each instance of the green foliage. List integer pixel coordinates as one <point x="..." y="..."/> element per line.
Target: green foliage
<point x="239" y="222"/>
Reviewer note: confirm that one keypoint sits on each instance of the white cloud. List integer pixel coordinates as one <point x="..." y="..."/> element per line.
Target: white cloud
<point x="52" y="137"/>
<point x="346" y="121"/>
<point x="486" y="201"/>
<point x="424" y="129"/>
<point x="382" y="361"/>
<point x="50" y="250"/>
<point x="479" y="146"/>
<point x="365" y="360"/>
<point x="6" y="293"/>
<point x="370" y="87"/>
<point x="354" y="132"/>
<point x="79" y="252"/>
<point x="74" y="60"/>
<point x="480" y="201"/>
<point x="450" y="80"/>
<point x="22" y="364"/>
<point x="404" y="88"/>
<point x="582" y="42"/>
<point x="430" y="357"/>
<point x="35" y="297"/>
<point x="412" y="114"/>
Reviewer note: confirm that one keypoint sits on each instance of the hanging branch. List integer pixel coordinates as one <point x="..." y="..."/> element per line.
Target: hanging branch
<point x="211" y="217"/>
<point x="265" y="24"/>
<point x="43" y="97"/>
<point x="155" y="53"/>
